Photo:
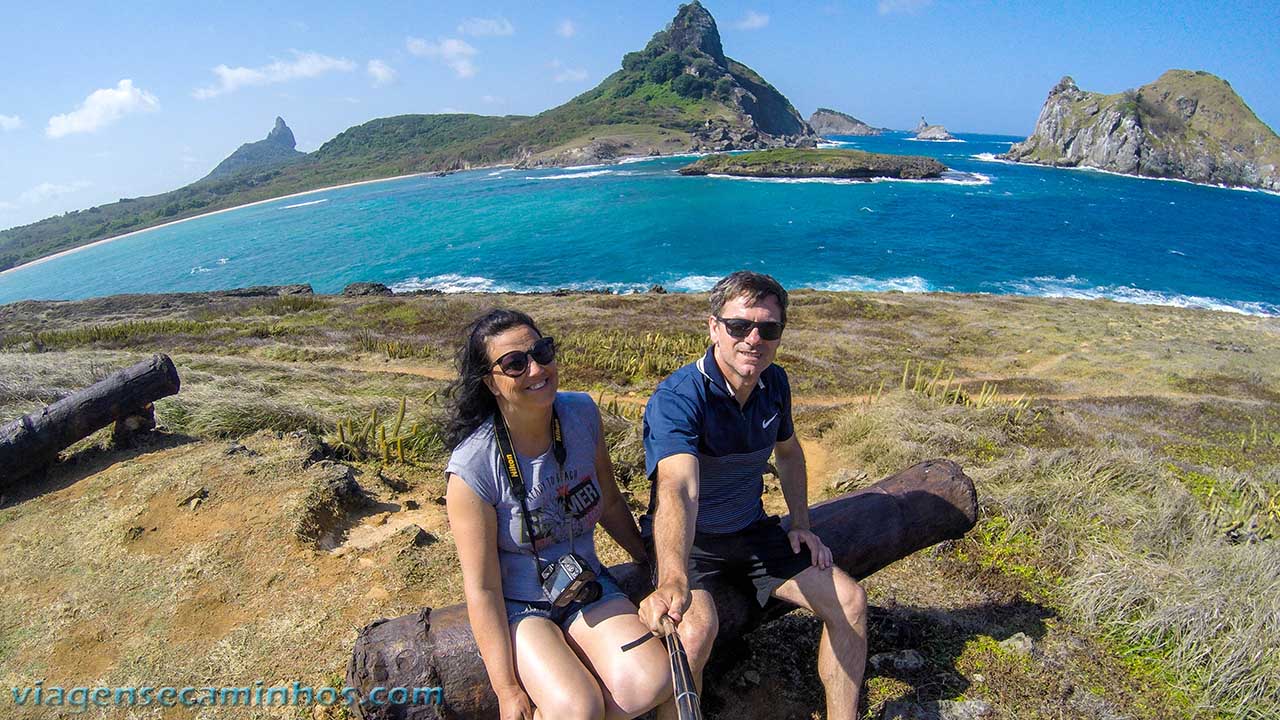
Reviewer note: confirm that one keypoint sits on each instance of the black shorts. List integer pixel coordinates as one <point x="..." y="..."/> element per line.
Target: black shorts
<point x="758" y="556"/>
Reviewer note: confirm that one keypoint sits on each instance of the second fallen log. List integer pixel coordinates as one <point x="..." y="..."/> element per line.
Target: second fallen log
<point x="34" y="440"/>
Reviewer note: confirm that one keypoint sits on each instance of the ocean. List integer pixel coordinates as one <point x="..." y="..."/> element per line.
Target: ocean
<point x="987" y="227"/>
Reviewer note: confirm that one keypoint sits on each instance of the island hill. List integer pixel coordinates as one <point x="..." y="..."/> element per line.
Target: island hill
<point x="826" y="121"/>
<point x="806" y="163"/>
<point x="681" y="93"/>
<point x="1189" y="125"/>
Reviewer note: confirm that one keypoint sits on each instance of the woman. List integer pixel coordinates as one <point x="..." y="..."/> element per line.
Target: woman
<point x="549" y="652"/>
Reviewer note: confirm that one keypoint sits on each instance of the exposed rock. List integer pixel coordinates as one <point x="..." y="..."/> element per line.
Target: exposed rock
<point x="331" y="493"/>
<point x="1018" y="643"/>
<point x="1187" y="125"/>
<point x="657" y="289"/>
<point x="265" y="291"/>
<point x="826" y="121"/>
<point x="937" y="710"/>
<point x="925" y="131"/>
<point x="902" y="661"/>
<point x="276" y="150"/>
<point x="366" y="288"/>
<point x="1091" y="706"/>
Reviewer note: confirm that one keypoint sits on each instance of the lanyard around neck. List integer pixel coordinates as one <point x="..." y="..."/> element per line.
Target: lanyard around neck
<point x="512" y="466"/>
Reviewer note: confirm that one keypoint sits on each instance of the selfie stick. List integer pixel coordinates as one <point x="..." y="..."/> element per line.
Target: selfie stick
<point x="687" y="704"/>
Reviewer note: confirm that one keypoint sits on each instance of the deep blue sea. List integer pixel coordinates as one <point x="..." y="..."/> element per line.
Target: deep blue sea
<point x="989" y="227"/>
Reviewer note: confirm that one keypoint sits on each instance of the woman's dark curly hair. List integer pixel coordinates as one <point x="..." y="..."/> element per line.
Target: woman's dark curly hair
<point x="470" y="401"/>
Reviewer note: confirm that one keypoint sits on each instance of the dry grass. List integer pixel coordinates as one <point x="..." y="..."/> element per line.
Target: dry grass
<point x="1110" y="490"/>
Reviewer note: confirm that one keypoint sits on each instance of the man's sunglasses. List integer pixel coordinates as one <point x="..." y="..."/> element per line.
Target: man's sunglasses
<point x="739" y="328"/>
<point x="516" y="362"/>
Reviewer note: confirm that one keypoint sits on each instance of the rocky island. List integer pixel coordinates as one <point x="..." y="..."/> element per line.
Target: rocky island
<point x="826" y="121"/>
<point x="805" y="163"/>
<point x="925" y="131"/>
<point x="1189" y="125"/>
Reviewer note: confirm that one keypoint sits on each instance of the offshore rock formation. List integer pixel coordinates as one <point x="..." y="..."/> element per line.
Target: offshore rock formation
<point x="826" y="121"/>
<point x="925" y="131"/>
<point x="798" y="163"/>
<point x="1186" y="125"/>
<point x="277" y="149"/>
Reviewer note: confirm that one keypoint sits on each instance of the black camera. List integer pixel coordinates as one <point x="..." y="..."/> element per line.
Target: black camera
<point x="568" y="579"/>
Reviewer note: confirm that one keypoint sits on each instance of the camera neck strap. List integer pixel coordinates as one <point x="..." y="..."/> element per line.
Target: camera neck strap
<point x="511" y="465"/>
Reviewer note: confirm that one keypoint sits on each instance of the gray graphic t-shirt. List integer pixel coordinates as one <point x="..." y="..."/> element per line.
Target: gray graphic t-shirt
<point x="561" y="504"/>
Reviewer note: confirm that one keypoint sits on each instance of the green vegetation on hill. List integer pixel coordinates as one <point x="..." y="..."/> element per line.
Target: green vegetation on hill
<point x="827" y="163"/>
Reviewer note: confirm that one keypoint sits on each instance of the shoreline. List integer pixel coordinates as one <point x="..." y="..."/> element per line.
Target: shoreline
<point x="104" y="241"/>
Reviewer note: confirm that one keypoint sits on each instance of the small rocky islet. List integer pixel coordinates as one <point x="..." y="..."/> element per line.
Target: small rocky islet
<point x="824" y="163"/>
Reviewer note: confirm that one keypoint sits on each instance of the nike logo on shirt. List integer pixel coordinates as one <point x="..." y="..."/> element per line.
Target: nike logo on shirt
<point x="765" y="425"/>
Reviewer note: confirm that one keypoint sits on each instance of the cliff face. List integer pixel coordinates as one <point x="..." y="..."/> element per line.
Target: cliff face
<point x="826" y="121"/>
<point x="277" y="149"/>
<point x="1187" y="125"/>
<point x="925" y="131"/>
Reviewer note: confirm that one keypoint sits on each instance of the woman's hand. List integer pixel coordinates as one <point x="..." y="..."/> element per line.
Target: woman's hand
<point x="514" y="704"/>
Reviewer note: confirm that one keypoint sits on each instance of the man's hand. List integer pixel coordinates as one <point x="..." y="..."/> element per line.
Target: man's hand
<point x="819" y="553"/>
<point x="514" y="704"/>
<point x="670" y="599"/>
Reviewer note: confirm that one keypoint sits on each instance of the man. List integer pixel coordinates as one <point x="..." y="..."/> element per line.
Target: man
<point x="709" y="430"/>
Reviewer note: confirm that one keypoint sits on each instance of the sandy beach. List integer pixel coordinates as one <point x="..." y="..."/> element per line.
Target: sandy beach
<point x="113" y="238"/>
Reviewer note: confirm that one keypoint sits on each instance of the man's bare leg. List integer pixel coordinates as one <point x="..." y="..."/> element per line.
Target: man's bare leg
<point x="837" y="599"/>
<point x="698" y="633"/>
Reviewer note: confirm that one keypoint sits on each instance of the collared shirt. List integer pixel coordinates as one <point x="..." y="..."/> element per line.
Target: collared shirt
<point x="694" y="411"/>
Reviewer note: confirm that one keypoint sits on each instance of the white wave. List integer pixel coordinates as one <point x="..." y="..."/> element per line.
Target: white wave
<point x="1080" y="288"/>
<point x="304" y="204"/>
<point x="496" y="173"/>
<point x="570" y="176"/>
<point x="1177" y="252"/>
<point x="991" y="157"/>
<point x="456" y="283"/>
<point x="864" y="208"/>
<point x="585" y="167"/>
<point x="861" y="283"/>
<point x="200" y="269"/>
<point x="223" y="261"/>
<point x="638" y="158"/>
<point x="693" y="283"/>
<point x="916" y="139"/>
<point x="826" y="144"/>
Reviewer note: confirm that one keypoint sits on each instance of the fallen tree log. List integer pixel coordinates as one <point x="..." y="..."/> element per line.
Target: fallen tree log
<point x="866" y="531"/>
<point x="124" y="397"/>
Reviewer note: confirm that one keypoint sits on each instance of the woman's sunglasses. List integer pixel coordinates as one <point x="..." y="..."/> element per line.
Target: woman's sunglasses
<point x="739" y="328"/>
<point x="516" y="362"/>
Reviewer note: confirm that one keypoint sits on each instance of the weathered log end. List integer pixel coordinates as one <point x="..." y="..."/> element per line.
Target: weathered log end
<point x="125" y="397"/>
<point x="867" y="530"/>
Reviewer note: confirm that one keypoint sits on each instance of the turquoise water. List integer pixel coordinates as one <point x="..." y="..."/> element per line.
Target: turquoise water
<point x="988" y="227"/>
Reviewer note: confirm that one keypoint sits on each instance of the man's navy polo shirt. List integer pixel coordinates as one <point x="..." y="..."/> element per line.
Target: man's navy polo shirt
<point x="693" y="411"/>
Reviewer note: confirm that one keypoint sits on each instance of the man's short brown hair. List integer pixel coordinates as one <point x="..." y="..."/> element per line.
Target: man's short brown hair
<point x="752" y="285"/>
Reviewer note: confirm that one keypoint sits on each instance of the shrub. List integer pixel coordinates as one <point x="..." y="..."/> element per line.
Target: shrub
<point x="664" y="67"/>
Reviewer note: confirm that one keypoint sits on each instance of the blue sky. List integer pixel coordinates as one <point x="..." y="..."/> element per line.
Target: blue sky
<point x="103" y="101"/>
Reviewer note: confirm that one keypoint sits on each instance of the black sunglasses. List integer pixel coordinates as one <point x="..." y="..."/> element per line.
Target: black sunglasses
<point x="516" y="362"/>
<point x="739" y="328"/>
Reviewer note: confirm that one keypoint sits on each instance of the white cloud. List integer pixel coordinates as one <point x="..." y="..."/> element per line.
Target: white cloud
<point x="566" y="29"/>
<point x="382" y="73"/>
<point x="481" y="27"/>
<point x="457" y="54"/>
<point x="10" y="122"/>
<point x="47" y="191"/>
<point x="492" y="99"/>
<point x="888" y="7"/>
<point x="303" y="65"/>
<point x="102" y="108"/>
<point x="752" y="21"/>
<point x="567" y="74"/>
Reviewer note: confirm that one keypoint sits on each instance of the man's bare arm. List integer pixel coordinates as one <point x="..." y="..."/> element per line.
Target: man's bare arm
<point x="794" y="479"/>
<point x="676" y="517"/>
